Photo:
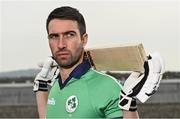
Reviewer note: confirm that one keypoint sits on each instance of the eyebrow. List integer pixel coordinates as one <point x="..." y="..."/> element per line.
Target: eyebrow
<point x="56" y="34"/>
<point x="64" y="32"/>
<point x="69" y="32"/>
<point x="53" y="34"/>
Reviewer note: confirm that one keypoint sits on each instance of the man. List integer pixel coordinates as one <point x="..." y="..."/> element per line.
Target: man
<point x="79" y="91"/>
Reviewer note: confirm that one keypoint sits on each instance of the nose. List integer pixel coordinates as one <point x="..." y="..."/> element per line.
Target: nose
<point x="62" y="43"/>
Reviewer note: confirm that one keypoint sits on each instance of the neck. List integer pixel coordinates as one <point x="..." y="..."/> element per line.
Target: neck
<point x="66" y="72"/>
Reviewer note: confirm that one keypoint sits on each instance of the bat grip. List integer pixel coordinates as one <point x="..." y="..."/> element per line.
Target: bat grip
<point x="87" y="55"/>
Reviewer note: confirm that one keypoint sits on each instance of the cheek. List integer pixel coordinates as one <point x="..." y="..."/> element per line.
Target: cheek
<point x="76" y="45"/>
<point x="53" y="47"/>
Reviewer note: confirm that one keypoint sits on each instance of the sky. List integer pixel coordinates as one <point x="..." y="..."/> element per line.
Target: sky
<point x="154" y="23"/>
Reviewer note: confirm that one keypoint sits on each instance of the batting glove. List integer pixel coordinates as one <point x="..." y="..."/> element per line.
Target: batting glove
<point x="142" y="85"/>
<point x="47" y="75"/>
<point x="156" y="69"/>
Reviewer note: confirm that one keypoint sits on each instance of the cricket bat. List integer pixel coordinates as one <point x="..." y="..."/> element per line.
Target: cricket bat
<point x="122" y="57"/>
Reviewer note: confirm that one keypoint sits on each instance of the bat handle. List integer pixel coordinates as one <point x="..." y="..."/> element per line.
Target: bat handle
<point x="87" y="55"/>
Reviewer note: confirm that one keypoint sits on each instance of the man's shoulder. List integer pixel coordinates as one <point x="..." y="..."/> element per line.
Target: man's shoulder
<point x="99" y="74"/>
<point x="101" y="77"/>
<point x="103" y="86"/>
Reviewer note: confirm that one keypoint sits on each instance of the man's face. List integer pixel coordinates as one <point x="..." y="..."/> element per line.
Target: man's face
<point x="66" y="44"/>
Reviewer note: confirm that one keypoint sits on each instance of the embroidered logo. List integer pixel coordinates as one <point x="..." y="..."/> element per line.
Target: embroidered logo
<point x="51" y="101"/>
<point x="71" y="104"/>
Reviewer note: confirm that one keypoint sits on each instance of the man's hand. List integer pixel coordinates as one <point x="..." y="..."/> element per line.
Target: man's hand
<point x="142" y="85"/>
<point x="46" y="76"/>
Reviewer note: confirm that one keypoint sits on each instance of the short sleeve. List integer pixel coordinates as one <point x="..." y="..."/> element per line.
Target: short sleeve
<point x="106" y="98"/>
<point x="112" y="110"/>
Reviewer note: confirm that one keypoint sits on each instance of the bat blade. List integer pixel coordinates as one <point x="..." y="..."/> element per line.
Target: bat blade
<point x="127" y="57"/>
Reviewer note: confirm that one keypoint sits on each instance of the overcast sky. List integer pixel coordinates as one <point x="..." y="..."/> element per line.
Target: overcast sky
<point x="155" y="23"/>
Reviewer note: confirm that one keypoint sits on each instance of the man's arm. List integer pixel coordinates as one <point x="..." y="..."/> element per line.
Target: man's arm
<point x="41" y="99"/>
<point x="43" y="80"/>
<point x="141" y="86"/>
<point x="130" y="114"/>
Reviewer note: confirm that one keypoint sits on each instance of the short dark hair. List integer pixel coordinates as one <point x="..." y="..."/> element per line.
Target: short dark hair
<point x="67" y="13"/>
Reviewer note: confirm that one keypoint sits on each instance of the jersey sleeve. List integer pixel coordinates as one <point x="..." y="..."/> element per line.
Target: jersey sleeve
<point x="105" y="97"/>
<point x="112" y="109"/>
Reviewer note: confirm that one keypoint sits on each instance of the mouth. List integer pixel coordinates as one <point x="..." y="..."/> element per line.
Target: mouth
<point x="63" y="55"/>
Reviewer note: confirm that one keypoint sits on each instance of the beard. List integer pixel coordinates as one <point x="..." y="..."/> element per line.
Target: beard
<point x="72" y="60"/>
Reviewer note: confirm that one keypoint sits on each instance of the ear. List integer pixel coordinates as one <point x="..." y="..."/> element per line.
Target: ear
<point x="85" y="39"/>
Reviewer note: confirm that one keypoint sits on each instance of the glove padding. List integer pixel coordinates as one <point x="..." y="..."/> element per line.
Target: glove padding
<point x="47" y="75"/>
<point x="156" y="70"/>
<point x="142" y="85"/>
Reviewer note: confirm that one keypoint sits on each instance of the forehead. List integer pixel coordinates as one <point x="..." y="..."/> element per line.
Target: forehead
<point x="61" y="25"/>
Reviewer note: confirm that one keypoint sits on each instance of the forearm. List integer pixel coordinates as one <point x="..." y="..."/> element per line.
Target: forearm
<point x="130" y="114"/>
<point x="41" y="99"/>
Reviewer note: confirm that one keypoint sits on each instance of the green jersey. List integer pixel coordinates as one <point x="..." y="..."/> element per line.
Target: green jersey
<point x="86" y="93"/>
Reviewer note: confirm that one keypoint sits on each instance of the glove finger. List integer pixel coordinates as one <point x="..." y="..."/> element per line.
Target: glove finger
<point x="141" y="80"/>
<point x="46" y="67"/>
<point x="53" y="77"/>
<point x="131" y="82"/>
<point x="40" y="64"/>
<point x="158" y="63"/>
<point x="53" y="73"/>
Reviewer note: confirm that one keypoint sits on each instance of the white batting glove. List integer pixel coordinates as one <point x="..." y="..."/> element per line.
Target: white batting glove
<point x="46" y="76"/>
<point x="142" y="85"/>
<point x="156" y="70"/>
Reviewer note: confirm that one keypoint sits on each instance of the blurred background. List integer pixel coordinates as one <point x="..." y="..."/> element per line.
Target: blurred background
<point x="23" y="43"/>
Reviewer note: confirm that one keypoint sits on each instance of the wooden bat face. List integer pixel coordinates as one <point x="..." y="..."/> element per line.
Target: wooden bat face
<point x="128" y="57"/>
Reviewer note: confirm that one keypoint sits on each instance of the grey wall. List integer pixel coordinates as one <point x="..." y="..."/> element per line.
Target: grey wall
<point x="17" y="94"/>
<point x="168" y="92"/>
<point x="22" y="94"/>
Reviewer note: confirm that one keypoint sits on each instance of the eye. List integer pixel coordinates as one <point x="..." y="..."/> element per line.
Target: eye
<point x="53" y="36"/>
<point x="69" y="34"/>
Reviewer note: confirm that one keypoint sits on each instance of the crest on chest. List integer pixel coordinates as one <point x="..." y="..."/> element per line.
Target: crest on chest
<point x="71" y="103"/>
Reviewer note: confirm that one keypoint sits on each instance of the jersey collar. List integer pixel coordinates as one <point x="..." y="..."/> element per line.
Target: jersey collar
<point x="80" y="70"/>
